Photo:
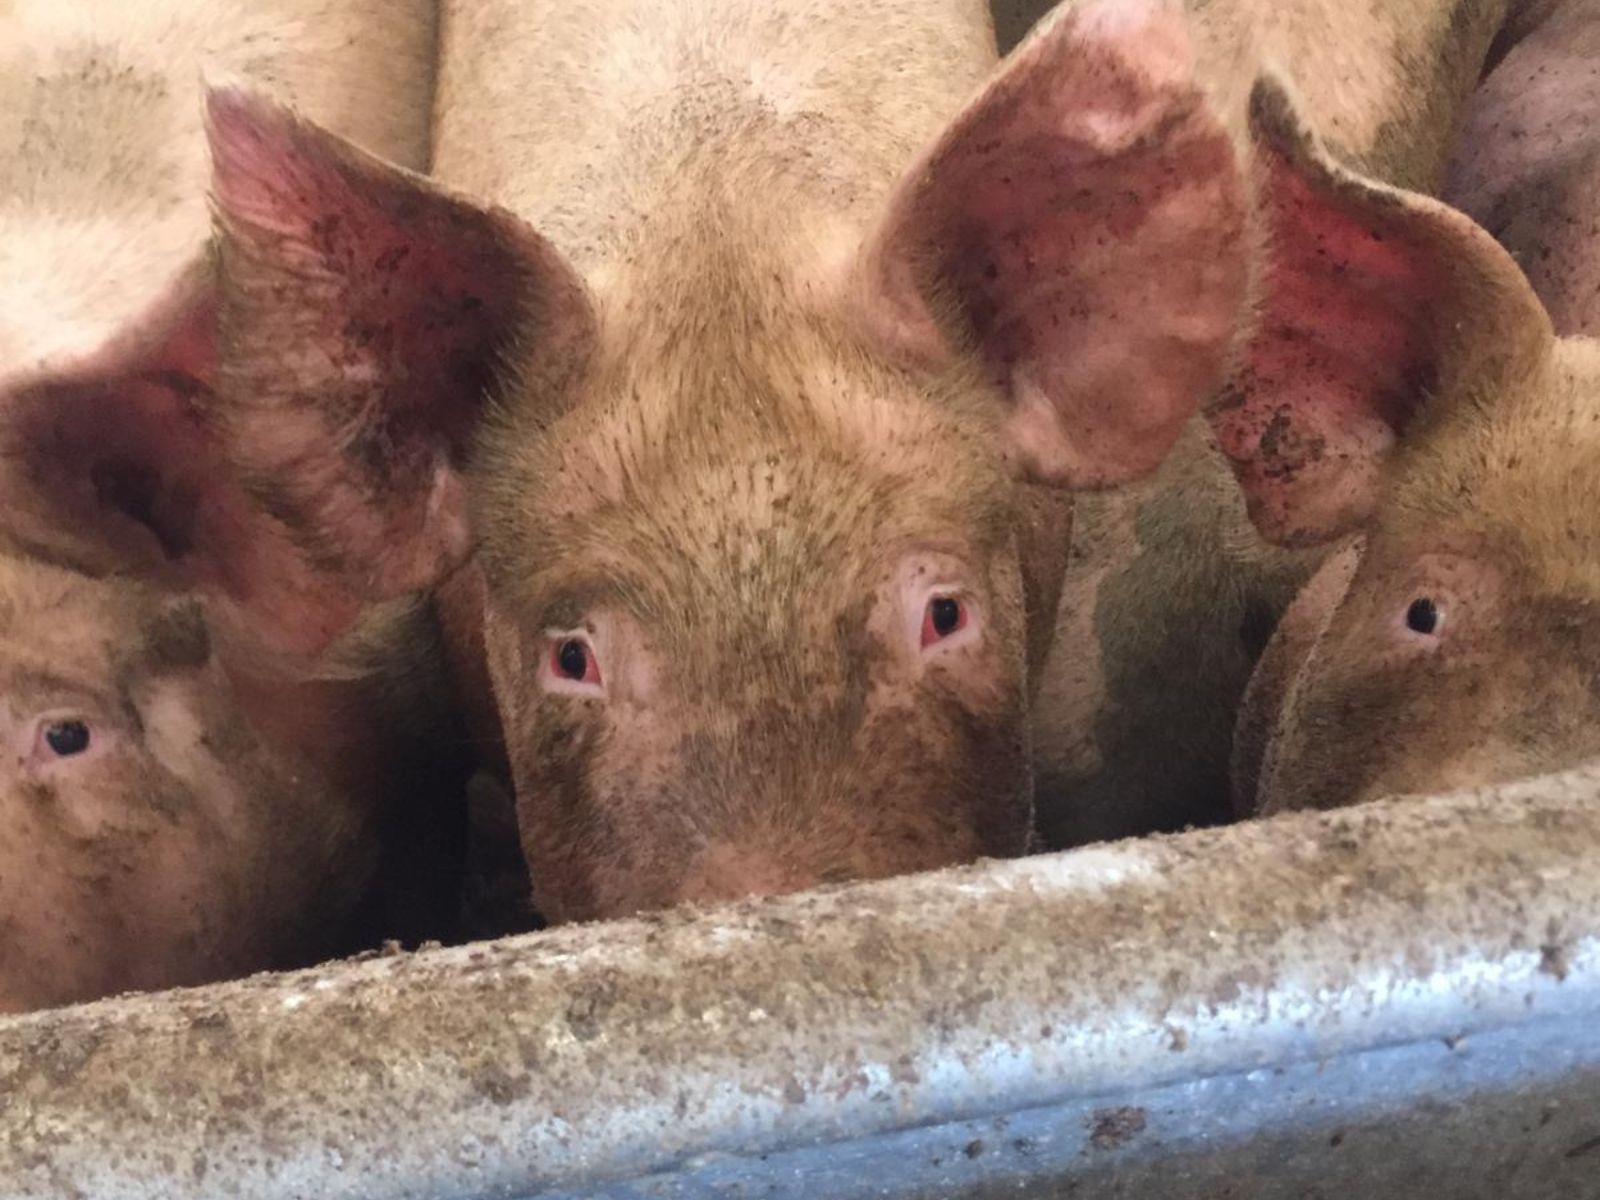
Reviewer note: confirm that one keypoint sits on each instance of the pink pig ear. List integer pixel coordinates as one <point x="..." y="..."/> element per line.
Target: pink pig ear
<point x="364" y="313"/>
<point x="1377" y="302"/>
<point x="111" y="467"/>
<point x="1082" y="226"/>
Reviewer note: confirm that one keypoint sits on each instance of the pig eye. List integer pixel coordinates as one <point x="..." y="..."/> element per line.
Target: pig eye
<point x="1424" y="617"/>
<point x="65" y="739"/>
<point x="572" y="659"/>
<point x="61" y="738"/>
<point x="942" y="617"/>
<point x="58" y="737"/>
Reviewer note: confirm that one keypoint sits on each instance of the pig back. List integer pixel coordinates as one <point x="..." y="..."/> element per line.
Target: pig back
<point x="103" y="165"/>
<point x="598" y="123"/>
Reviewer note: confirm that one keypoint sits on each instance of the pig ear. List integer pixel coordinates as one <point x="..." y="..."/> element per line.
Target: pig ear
<point x="110" y="467"/>
<point x="363" y="314"/>
<point x="1081" y="226"/>
<point x="1376" y="300"/>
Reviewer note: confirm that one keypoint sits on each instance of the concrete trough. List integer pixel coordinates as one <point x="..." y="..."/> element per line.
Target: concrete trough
<point x="1387" y="1001"/>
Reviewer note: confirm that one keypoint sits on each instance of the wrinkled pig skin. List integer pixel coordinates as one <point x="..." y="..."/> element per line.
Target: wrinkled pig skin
<point x="767" y="514"/>
<point x="181" y="800"/>
<point x="1452" y="636"/>
<point x="1172" y="594"/>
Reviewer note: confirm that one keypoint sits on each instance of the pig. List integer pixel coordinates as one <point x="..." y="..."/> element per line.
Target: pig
<point x="1527" y="161"/>
<point x="1451" y="637"/>
<point x="733" y="383"/>
<point x="1171" y="593"/>
<point x="184" y="797"/>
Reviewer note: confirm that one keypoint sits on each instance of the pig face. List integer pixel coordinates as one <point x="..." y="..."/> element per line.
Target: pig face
<point x="747" y="660"/>
<point x="763" y="529"/>
<point x="1452" y="637"/>
<point x="149" y="837"/>
<point x="175" y="809"/>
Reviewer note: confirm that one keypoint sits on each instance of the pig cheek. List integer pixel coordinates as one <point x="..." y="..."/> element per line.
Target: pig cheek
<point x="644" y="783"/>
<point x="1372" y="712"/>
<point x="55" y="924"/>
<point x="563" y="830"/>
<point x="83" y="886"/>
<point x="949" y="760"/>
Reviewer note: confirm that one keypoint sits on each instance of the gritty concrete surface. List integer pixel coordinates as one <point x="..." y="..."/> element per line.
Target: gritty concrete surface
<point x="577" y="1058"/>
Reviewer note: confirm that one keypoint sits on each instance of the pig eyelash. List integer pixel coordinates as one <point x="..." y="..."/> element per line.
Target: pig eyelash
<point x="571" y="666"/>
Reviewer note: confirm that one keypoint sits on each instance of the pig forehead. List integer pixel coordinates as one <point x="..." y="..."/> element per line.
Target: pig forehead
<point x="54" y="615"/>
<point x="797" y="418"/>
<point x="1515" y="473"/>
<point x="772" y="511"/>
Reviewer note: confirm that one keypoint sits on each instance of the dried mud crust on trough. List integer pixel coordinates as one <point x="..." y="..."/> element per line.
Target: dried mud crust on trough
<point x="567" y="1059"/>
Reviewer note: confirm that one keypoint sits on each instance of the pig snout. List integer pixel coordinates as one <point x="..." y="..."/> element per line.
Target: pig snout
<point x="727" y="871"/>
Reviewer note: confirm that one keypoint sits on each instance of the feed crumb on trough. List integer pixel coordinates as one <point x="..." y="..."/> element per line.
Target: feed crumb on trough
<point x="1110" y="1128"/>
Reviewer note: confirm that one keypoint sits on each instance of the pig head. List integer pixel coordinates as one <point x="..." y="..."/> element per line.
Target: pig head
<point x="1171" y="594"/>
<point x="181" y="801"/>
<point x="173" y="812"/>
<point x="152" y="836"/>
<point x="769" y="535"/>
<point x="1406" y="403"/>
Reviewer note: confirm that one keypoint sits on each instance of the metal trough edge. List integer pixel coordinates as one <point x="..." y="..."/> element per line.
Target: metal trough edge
<point x="1208" y="1014"/>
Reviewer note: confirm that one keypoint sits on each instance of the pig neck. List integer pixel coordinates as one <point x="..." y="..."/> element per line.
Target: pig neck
<point x="627" y="130"/>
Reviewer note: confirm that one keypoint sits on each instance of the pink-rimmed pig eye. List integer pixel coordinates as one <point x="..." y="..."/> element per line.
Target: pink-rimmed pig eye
<point x="65" y="738"/>
<point x="572" y="659"/>
<point x="62" y="738"/>
<point x="571" y="665"/>
<point x="943" y="617"/>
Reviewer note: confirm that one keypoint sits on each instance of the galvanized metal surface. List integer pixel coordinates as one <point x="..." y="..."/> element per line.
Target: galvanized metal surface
<point x="1356" y="1004"/>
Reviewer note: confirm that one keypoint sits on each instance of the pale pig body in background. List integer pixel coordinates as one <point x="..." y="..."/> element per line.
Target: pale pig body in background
<point x="174" y="807"/>
<point x="765" y="561"/>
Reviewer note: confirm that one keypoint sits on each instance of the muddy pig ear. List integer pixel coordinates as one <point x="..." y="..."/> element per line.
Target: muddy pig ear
<point x="1381" y="310"/>
<point x="364" y="312"/>
<point x="111" y="467"/>
<point x="1081" y="225"/>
